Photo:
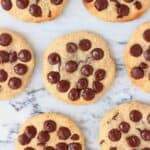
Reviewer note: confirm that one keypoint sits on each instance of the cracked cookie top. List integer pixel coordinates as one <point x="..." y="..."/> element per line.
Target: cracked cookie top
<point x="78" y="68"/>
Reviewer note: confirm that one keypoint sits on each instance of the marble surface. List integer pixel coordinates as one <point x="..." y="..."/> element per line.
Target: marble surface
<point x="36" y="99"/>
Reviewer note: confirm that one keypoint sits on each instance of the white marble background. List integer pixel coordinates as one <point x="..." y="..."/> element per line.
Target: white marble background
<point x="35" y="99"/>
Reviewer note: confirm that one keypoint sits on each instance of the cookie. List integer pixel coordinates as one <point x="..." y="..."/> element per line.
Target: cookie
<point x="126" y="127"/>
<point x="137" y="57"/>
<point x="34" y="10"/>
<point x="16" y="64"/>
<point x="50" y="131"/>
<point x="78" y="68"/>
<point x="117" y="10"/>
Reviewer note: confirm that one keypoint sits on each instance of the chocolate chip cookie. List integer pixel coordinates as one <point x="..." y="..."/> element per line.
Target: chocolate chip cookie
<point x="34" y="10"/>
<point x="78" y="68"/>
<point x="137" y="57"/>
<point x="126" y="127"/>
<point x="117" y="10"/>
<point x="16" y="64"/>
<point x="49" y="131"/>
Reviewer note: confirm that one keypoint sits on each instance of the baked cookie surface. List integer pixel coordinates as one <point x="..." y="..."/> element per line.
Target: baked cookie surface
<point x="126" y="127"/>
<point x="78" y="68"/>
<point x="137" y="57"/>
<point x="49" y="131"/>
<point x="16" y="64"/>
<point x="117" y="10"/>
<point x="34" y="10"/>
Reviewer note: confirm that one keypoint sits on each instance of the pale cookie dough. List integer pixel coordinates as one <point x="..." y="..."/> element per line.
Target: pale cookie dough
<point x="50" y="131"/>
<point x="137" y="57"/>
<point x="78" y="68"/>
<point x="34" y="10"/>
<point x="16" y="64"/>
<point x="117" y="10"/>
<point x="126" y="127"/>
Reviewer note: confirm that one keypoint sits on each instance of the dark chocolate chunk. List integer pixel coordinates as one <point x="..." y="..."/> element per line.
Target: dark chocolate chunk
<point x="136" y="50"/>
<point x="74" y="146"/>
<point x="137" y="73"/>
<point x="71" y="47"/>
<point x="61" y="146"/>
<point x="4" y="56"/>
<point x="101" y="4"/>
<point x="14" y="83"/>
<point x="114" y="135"/>
<point x="6" y="4"/>
<point x="97" y="86"/>
<point x="43" y="136"/>
<point x="124" y="127"/>
<point x="5" y="39"/>
<point x="23" y="139"/>
<point x="133" y="141"/>
<point x="24" y="55"/>
<point x="12" y="57"/>
<point x="63" y="86"/>
<point x="75" y="137"/>
<point x="53" y="77"/>
<point x="22" y="4"/>
<point x="71" y="66"/>
<point x="82" y="83"/>
<point x="50" y="125"/>
<point x="74" y="94"/>
<point x="100" y="74"/>
<point x="3" y="75"/>
<point x="63" y="133"/>
<point x="87" y="70"/>
<point x="97" y="53"/>
<point x="85" y="44"/>
<point x="54" y="58"/>
<point x="88" y="94"/>
<point x="146" y="35"/>
<point x="35" y="10"/>
<point x="135" y="115"/>
<point x="56" y="2"/>
<point x="20" y="69"/>
<point x="30" y="131"/>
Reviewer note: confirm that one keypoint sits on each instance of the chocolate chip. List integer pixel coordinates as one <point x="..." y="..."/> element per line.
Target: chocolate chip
<point x="145" y="134"/>
<point x="85" y="44"/>
<point x="133" y="141"/>
<point x="30" y="131"/>
<point x="138" y="5"/>
<point x="101" y="4"/>
<point x="113" y="148"/>
<point x="147" y="54"/>
<point x="122" y="10"/>
<point x="53" y="77"/>
<point x="87" y="70"/>
<point x="12" y="57"/>
<point x="124" y="127"/>
<point x="35" y="10"/>
<point x="71" y="66"/>
<point x="54" y="58"/>
<point x="49" y="148"/>
<point x="20" y="69"/>
<point x="6" y="4"/>
<point x="146" y="148"/>
<point x="146" y="35"/>
<point x="71" y="47"/>
<point x="50" y="125"/>
<point x="61" y="146"/>
<point x="82" y="83"/>
<point x="137" y="73"/>
<point x="63" y="133"/>
<point x="88" y="94"/>
<point x="128" y="1"/>
<point x="74" y="94"/>
<point x="143" y="65"/>
<point x="97" y="86"/>
<point x="4" y="56"/>
<point x="97" y="53"/>
<point x="56" y="2"/>
<point x="100" y="74"/>
<point x="135" y="115"/>
<point x="14" y="83"/>
<point x="114" y="135"/>
<point x="29" y="148"/>
<point x="23" y="139"/>
<point x="22" y="4"/>
<point x="43" y="136"/>
<point x="136" y="50"/>
<point x="74" y="146"/>
<point x="24" y="55"/>
<point x="3" y="75"/>
<point x="75" y="137"/>
<point x="148" y="118"/>
<point x="63" y="86"/>
<point x="5" y="39"/>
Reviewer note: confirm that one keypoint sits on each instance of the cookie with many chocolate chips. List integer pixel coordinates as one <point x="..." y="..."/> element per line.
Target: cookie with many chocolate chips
<point x="126" y="127"/>
<point x="117" y="10"/>
<point x="78" y="68"/>
<point x="50" y="131"/>
<point x="34" y="10"/>
<point x="137" y="57"/>
<point x="16" y="64"/>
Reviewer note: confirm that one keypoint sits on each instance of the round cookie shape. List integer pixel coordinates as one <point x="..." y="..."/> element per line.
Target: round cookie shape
<point x="15" y="73"/>
<point x="126" y="126"/>
<point x="117" y="10"/>
<point x="137" y="57"/>
<point x="34" y="10"/>
<point x="50" y="131"/>
<point x="78" y="68"/>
